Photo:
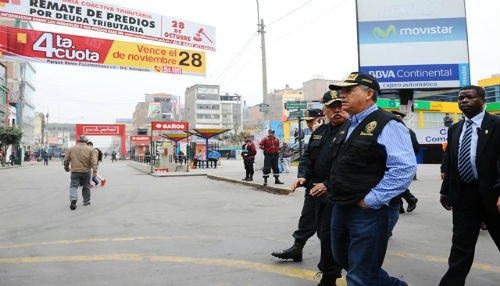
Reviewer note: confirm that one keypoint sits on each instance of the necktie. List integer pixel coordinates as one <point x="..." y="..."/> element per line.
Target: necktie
<point x="464" y="159"/>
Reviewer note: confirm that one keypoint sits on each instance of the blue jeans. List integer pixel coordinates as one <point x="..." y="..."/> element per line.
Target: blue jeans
<point x="359" y="243"/>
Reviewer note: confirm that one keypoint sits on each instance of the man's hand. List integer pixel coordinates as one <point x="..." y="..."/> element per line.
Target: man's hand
<point x="94" y="174"/>
<point x="67" y="169"/>
<point x="300" y="182"/>
<point x="363" y="205"/>
<point x="443" y="175"/>
<point x="498" y="204"/>
<point x="318" y="190"/>
<point x="445" y="202"/>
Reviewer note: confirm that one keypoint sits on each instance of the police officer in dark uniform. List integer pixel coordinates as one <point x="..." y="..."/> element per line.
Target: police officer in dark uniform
<point x="407" y="195"/>
<point x="314" y="171"/>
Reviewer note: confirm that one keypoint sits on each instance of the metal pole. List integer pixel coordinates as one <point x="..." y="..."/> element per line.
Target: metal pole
<point x="264" y="66"/>
<point x="261" y="30"/>
<point x="151" y="149"/>
<point x="300" y="136"/>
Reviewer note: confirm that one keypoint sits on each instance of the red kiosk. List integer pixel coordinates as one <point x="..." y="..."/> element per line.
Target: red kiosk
<point x="103" y="130"/>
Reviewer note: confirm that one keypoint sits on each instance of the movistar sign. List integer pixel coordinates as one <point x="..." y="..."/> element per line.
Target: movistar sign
<point x="422" y="30"/>
<point x="377" y="31"/>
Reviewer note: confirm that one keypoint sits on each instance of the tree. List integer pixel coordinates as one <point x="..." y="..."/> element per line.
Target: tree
<point x="9" y="136"/>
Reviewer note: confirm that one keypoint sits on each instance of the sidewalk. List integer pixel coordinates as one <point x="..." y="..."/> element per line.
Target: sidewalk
<point x="234" y="171"/>
<point x="24" y="164"/>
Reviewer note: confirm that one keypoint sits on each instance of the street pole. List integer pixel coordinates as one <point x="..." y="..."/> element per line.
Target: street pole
<point x="300" y="137"/>
<point x="260" y="24"/>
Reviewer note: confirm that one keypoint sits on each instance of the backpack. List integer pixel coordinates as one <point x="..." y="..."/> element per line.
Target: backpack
<point x="99" y="156"/>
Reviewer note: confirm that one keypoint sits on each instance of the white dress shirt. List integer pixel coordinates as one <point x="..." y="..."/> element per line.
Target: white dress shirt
<point x="476" y="128"/>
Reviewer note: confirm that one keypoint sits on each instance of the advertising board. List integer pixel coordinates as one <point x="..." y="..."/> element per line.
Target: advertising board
<point x="109" y="18"/>
<point x="414" y="44"/>
<point x="54" y="48"/>
<point x="169" y="126"/>
<point x="154" y="110"/>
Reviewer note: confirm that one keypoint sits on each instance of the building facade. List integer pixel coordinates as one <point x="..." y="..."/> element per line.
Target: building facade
<point x="232" y="113"/>
<point x="21" y="87"/>
<point x="4" y="97"/>
<point x="203" y="108"/>
<point x="277" y="111"/>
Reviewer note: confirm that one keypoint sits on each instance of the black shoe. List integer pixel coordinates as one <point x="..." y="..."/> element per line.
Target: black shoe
<point x="265" y="181"/>
<point x="412" y="205"/>
<point x="294" y="252"/>
<point x="86" y="203"/>
<point x="277" y="181"/>
<point x="328" y="280"/>
<point x="72" y="206"/>
<point x="245" y="179"/>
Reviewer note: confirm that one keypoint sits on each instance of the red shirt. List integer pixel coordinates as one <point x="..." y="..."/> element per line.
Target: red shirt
<point x="250" y="147"/>
<point x="270" y="145"/>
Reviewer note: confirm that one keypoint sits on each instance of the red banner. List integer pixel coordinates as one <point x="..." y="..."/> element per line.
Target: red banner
<point x="140" y="138"/>
<point x="62" y="49"/>
<point x="169" y="126"/>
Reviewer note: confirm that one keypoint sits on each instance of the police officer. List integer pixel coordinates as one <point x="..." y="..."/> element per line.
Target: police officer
<point x="271" y="147"/>
<point x="407" y="195"/>
<point x="314" y="171"/>
<point x="375" y="164"/>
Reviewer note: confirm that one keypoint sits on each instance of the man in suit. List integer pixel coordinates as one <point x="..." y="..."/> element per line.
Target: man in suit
<point x="471" y="184"/>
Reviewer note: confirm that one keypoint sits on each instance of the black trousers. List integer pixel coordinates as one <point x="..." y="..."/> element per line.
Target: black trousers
<point x="271" y="162"/>
<point x="315" y="218"/>
<point x="213" y="162"/>
<point x="467" y="217"/>
<point x="248" y="167"/>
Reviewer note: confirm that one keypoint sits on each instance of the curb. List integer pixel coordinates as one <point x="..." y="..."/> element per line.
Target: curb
<point x="269" y="189"/>
<point x="179" y="174"/>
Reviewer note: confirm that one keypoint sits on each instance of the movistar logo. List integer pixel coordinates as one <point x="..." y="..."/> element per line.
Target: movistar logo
<point x="377" y="31"/>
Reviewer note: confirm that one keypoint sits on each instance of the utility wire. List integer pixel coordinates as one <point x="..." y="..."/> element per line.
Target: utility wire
<point x="242" y="49"/>
<point x="316" y="18"/>
<point x="289" y="13"/>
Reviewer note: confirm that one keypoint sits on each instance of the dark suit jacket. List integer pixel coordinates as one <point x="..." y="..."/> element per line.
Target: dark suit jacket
<point x="487" y="163"/>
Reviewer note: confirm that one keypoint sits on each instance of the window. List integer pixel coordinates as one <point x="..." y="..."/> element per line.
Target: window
<point x="434" y="120"/>
<point x="207" y="116"/>
<point x="207" y="96"/>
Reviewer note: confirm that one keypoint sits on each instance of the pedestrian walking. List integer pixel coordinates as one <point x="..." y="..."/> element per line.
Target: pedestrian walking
<point x="98" y="154"/>
<point x="1" y="158"/>
<point x="213" y="157"/>
<point x="12" y="158"/>
<point x="271" y="147"/>
<point x="113" y="156"/>
<point x="45" y="158"/>
<point x="286" y="155"/>
<point x="313" y="174"/>
<point x="471" y="181"/>
<point x="82" y="160"/>
<point x="248" y="154"/>
<point x="374" y="165"/>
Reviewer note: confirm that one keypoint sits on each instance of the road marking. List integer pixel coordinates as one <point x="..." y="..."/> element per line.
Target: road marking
<point x="241" y="264"/>
<point x="430" y="258"/>
<point x="91" y="240"/>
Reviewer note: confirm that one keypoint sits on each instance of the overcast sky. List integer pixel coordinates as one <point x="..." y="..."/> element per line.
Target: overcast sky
<point x="319" y="39"/>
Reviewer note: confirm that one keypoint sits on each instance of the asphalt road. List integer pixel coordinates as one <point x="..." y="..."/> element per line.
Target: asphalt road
<point x="142" y="230"/>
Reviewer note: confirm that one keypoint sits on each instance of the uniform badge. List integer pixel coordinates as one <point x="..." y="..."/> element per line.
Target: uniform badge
<point x="371" y="126"/>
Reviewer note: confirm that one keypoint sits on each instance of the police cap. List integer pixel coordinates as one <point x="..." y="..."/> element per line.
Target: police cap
<point x="330" y="97"/>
